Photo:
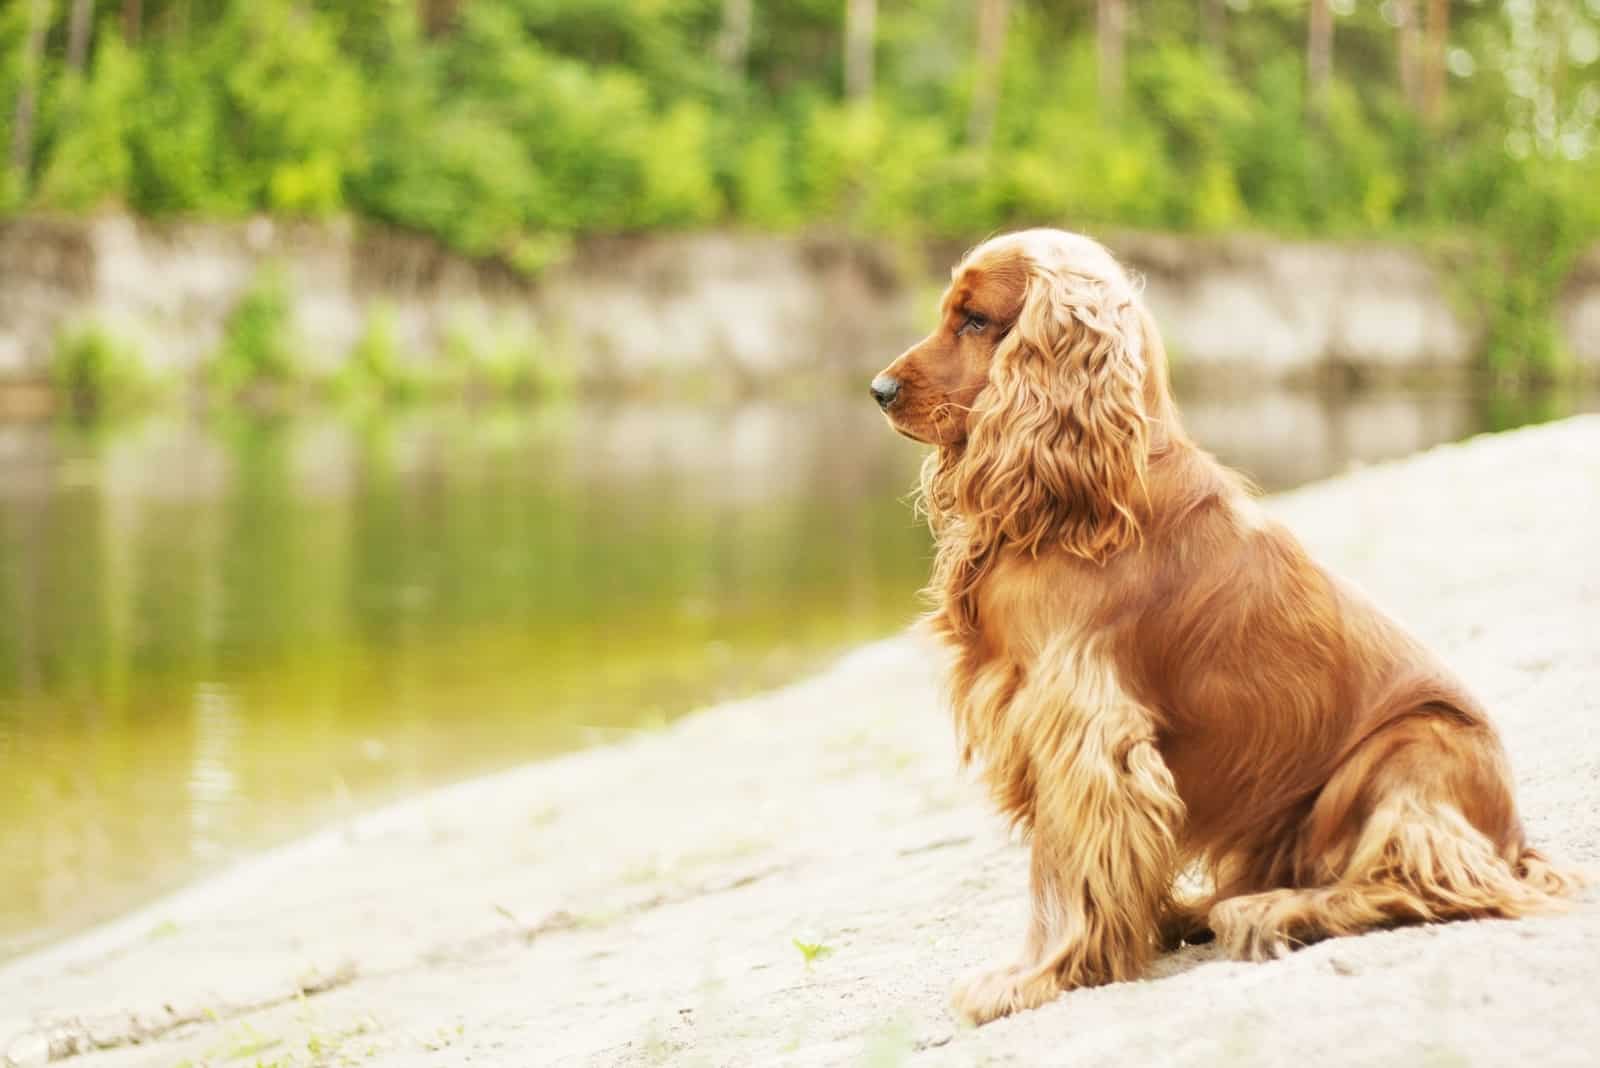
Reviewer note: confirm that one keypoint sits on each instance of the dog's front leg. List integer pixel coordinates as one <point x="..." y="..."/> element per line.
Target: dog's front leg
<point x="1105" y="821"/>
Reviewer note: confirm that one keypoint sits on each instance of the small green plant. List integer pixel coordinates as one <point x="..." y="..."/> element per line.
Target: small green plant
<point x="256" y="342"/>
<point x="812" y="951"/>
<point x="375" y="370"/>
<point x="97" y="373"/>
<point x="500" y="361"/>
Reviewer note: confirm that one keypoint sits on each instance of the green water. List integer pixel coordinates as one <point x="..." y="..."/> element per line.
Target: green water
<point x="215" y="635"/>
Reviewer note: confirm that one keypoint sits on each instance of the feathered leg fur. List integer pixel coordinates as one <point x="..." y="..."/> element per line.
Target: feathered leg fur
<point x="1390" y="841"/>
<point x="1104" y="819"/>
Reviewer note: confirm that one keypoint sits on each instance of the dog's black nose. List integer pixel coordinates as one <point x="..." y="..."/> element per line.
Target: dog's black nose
<point x="885" y="390"/>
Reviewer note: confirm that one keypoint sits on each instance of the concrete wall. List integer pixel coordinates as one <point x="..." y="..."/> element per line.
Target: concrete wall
<point x="746" y="306"/>
<point x="170" y="288"/>
<point x="1286" y="309"/>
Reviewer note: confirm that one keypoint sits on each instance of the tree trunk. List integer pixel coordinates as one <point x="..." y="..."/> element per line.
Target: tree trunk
<point x="1410" y="52"/>
<point x="78" y="29"/>
<point x="28" y="93"/>
<point x="1216" y="25"/>
<point x="1438" y="42"/>
<point x="1559" y="32"/>
<point x="733" y="43"/>
<point x="860" y="36"/>
<point x="1111" y="29"/>
<point x="437" y="16"/>
<point x="132" y="20"/>
<point x="1319" y="53"/>
<point x="992" y="19"/>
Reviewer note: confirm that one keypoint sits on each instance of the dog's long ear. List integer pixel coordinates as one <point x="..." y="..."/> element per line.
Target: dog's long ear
<point x="1057" y="445"/>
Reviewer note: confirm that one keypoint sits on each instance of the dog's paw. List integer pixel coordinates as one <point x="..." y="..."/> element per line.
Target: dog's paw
<point x="991" y="994"/>
<point x="1252" y="927"/>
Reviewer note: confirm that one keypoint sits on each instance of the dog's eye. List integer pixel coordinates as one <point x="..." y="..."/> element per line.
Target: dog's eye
<point x="973" y="324"/>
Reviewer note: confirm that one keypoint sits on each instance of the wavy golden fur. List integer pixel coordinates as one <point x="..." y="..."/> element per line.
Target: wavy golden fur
<point x="1154" y="676"/>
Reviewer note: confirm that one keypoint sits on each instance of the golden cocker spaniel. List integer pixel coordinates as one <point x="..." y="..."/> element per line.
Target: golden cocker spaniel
<point x="1153" y="675"/>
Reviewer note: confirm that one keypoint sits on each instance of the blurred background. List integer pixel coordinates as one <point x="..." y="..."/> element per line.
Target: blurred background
<point x="396" y="390"/>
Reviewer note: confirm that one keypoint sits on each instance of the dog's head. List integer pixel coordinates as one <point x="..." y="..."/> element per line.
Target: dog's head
<point x="1040" y="385"/>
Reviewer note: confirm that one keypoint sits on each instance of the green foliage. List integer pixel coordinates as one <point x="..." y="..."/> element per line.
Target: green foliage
<point x="97" y="373"/>
<point x="293" y="105"/>
<point x="470" y="189"/>
<point x="257" y="346"/>
<point x="374" y="370"/>
<point x="872" y="170"/>
<point x="761" y="177"/>
<point x="173" y="140"/>
<point x="518" y="125"/>
<point x="678" y="190"/>
<point x="1059" y="159"/>
<point x="500" y="360"/>
<point x="480" y="360"/>
<point x="1534" y="220"/>
<point x="90" y="165"/>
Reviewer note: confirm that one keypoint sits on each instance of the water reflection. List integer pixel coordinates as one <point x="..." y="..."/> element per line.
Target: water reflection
<point x="212" y="786"/>
<point x="212" y="635"/>
<point x="215" y="635"/>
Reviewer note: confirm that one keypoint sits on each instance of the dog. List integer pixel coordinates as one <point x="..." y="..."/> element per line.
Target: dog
<point x="1154" y="677"/>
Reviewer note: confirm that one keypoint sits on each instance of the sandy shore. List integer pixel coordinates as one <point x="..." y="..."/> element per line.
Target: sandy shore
<point x="647" y="903"/>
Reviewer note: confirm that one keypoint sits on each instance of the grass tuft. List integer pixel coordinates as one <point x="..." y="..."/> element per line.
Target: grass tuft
<point x="812" y="951"/>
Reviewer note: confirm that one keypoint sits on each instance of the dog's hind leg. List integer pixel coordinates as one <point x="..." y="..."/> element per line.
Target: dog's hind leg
<point x="1416" y="826"/>
<point x="1105" y="818"/>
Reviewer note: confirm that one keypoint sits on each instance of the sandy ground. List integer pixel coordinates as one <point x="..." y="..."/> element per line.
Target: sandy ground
<point x="647" y="903"/>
